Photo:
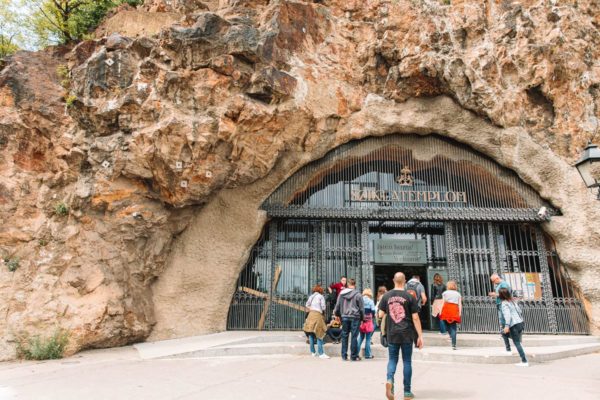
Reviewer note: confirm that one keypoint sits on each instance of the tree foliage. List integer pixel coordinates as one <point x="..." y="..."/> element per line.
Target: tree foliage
<point x="64" y="21"/>
<point x="9" y="30"/>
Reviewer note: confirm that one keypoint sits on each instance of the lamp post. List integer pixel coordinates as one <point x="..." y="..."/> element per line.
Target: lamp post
<point x="589" y="166"/>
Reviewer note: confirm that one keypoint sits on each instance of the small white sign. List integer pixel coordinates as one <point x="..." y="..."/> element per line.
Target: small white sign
<point x="208" y="174"/>
<point x="178" y="165"/>
<point x="105" y="164"/>
<point x="183" y="184"/>
<point x="109" y="62"/>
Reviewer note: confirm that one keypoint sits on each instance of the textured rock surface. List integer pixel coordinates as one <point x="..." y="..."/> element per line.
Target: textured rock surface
<point x="190" y="129"/>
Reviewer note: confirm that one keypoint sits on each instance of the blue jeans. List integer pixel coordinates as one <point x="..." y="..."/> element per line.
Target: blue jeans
<point x="367" y="344"/>
<point x="350" y="325"/>
<point x="505" y="336"/>
<point x="311" y="339"/>
<point x="452" y="328"/>
<point x="442" y="325"/>
<point x="393" y="351"/>
<point x="516" y="334"/>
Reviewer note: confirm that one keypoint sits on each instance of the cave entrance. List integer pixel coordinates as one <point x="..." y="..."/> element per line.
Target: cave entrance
<point x="420" y="205"/>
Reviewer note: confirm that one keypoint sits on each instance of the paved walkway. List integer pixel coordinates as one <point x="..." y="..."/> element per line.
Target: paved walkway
<point x="122" y="374"/>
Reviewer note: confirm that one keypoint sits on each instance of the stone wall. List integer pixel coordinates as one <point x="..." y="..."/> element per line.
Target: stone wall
<point x="161" y="144"/>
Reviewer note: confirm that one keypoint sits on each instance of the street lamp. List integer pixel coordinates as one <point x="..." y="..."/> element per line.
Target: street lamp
<point x="589" y="166"/>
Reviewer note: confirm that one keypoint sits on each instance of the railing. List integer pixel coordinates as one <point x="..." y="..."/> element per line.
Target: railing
<point x="480" y="316"/>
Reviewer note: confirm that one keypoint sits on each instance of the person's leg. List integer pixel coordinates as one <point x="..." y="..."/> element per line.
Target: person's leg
<point x="516" y="333"/>
<point x="505" y="336"/>
<point x="393" y="352"/>
<point x="407" y="349"/>
<point x="443" y="330"/>
<point x="320" y="346"/>
<point x="361" y="337"/>
<point x="368" y="345"/>
<point x="354" y="343"/>
<point x="337" y="334"/>
<point x="346" y="323"/>
<point x="311" y="339"/>
<point x="452" y="331"/>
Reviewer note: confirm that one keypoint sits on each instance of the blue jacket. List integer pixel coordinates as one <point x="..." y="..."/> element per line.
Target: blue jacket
<point x="512" y="313"/>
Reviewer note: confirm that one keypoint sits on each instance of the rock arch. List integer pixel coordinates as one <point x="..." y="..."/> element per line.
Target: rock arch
<point x="193" y="294"/>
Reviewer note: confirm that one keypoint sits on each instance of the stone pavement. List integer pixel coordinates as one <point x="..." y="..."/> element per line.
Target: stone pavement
<point x="122" y="374"/>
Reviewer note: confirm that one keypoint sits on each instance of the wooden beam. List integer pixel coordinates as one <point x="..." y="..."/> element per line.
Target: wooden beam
<point x="263" y="315"/>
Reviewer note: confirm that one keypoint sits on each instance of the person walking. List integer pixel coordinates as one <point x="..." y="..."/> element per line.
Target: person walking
<point x="402" y="328"/>
<point x="351" y="309"/>
<point x="513" y="322"/>
<point x="415" y="287"/>
<point x="367" y="328"/>
<point x="314" y="326"/>
<point x="451" y="310"/>
<point x="437" y="288"/>
<point x="381" y="290"/>
<point x="499" y="283"/>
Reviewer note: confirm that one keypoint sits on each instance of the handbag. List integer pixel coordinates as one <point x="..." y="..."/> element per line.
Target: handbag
<point x="366" y="326"/>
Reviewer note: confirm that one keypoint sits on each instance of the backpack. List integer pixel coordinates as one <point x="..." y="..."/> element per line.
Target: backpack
<point x="411" y="288"/>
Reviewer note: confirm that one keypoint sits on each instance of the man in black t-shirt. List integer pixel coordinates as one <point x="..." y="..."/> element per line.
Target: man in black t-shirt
<point x="403" y="327"/>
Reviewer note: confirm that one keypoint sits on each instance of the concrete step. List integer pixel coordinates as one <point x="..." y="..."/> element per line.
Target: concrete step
<point x="435" y="339"/>
<point x="471" y="348"/>
<point x="479" y="355"/>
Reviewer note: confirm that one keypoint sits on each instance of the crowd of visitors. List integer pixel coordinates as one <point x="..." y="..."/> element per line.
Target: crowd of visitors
<point x="395" y="313"/>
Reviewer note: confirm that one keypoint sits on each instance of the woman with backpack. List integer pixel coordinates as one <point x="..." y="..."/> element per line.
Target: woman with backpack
<point x="314" y="326"/>
<point x="366" y="327"/>
<point x="513" y="318"/>
<point x="451" y="310"/>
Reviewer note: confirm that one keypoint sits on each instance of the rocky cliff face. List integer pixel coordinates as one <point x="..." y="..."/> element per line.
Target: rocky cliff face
<point x="109" y="148"/>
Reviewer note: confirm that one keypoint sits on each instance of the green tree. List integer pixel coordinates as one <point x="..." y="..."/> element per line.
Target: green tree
<point x="7" y="47"/>
<point x="9" y="29"/>
<point x="64" y="21"/>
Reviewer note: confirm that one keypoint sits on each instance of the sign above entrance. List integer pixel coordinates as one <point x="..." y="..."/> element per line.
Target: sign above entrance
<point x="405" y="179"/>
<point x="397" y="251"/>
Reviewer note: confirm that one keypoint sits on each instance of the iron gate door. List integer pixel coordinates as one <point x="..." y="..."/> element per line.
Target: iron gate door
<point x="290" y="258"/>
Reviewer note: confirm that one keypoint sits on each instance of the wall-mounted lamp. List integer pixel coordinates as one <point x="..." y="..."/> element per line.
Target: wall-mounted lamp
<point x="588" y="166"/>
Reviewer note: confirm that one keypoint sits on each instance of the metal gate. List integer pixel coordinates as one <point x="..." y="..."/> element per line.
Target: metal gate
<point x="476" y="217"/>
<point x="524" y="257"/>
<point x="294" y="255"/>
<point x="290" y="258"/>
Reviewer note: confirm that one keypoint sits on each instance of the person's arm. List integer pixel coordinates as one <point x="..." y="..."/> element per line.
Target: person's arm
<point x="506" y="315"/>
<point x="382" y="309"/>
<point x="336" y="309"/>
<point x="423" y="298"/>
<point x="460" y="306"/>
<point x="361" y="308"/>
<point x="322" y="304"/>
<point x="307" y="305"/>
<point x="417" y="323"/>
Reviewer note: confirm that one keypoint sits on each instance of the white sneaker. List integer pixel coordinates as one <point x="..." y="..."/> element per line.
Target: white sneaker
<point x="522" y="364"/>
<point x="324" y="356"/>
<point x="313" y="354"/>
<point x="507" y="352"/>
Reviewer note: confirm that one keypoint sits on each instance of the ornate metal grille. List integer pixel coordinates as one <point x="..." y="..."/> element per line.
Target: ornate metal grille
<point x="524" y="262"/>
<point x="405" y="177"/>
<point x="274" y="285"/>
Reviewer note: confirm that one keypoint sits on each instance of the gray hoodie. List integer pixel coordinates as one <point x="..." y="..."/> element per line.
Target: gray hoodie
<point x="350" y="305"/>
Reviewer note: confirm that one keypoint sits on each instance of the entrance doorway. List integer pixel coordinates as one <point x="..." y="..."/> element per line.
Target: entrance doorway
<point x="383" y="275"/>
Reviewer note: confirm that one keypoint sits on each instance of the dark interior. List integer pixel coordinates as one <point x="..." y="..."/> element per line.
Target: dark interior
<point x="384" y="274"/>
